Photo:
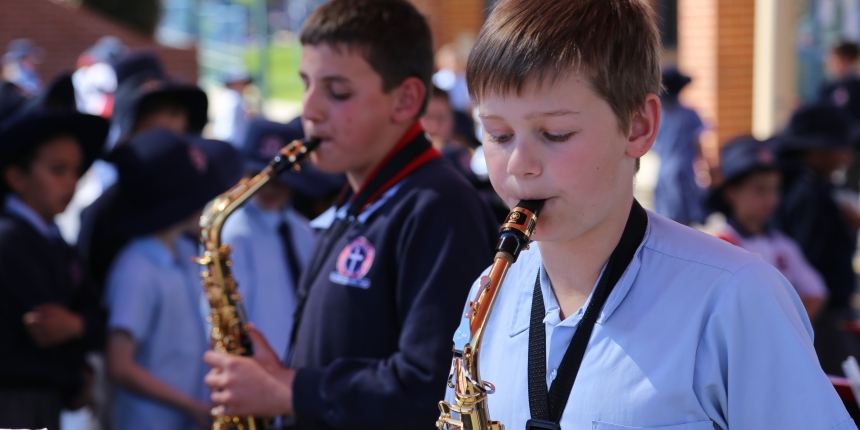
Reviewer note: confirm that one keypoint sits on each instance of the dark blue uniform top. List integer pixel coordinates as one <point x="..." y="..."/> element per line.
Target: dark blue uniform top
<point x="35" y="271"/>
<point x="373" y="347"/>
<point x="809" y="214"/>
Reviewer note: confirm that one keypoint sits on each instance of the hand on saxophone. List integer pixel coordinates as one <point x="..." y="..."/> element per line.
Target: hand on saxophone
<point x="257" y="385"/>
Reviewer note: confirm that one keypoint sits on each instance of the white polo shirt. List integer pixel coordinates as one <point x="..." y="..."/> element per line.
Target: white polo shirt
<point x="697" y="335"/>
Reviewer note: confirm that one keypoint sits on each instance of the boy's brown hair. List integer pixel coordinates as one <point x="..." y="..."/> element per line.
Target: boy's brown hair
<point x="847" y="50"/>
<point x="391" y="35"/>
<point x="615" y="44"/>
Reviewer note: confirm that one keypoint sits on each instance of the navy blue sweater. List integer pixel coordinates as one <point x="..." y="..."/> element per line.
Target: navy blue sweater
<point x="373" y="347"/>
<point x="35" y="271"/>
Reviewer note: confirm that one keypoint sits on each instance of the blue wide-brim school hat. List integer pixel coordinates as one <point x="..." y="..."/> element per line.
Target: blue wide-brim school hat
<point x="136" y="92"/>
<point x="165" y="177"/>
<point x="817" y="127"/>
<point x="740" y="157"/>
<point x="263" y="139"/>
<point x="674" y="81"/>
<point x="25" y="122"/>
<point x="138" y="64"/>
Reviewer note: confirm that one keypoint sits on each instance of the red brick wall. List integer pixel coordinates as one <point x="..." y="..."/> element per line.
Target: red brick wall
<point x="450" y="18"/>
<point x="65" y="32"/>
<point x="715" y="47"/>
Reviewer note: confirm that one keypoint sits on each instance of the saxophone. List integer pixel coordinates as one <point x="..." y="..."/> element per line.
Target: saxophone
<point x="227" y="315"/>
<point x="470" y="391"/>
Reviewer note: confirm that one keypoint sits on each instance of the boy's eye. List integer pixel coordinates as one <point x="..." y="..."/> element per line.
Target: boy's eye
<point x="558" y="137"/>
<point x="340" y="96"/>
<point x="502" y="138"/>
<point x="59" y="170"/>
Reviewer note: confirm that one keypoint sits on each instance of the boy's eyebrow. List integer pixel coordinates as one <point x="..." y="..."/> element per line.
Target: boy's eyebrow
<point x="552" y="113"/>
<point x="533" y="115"/>
<point x="337" y="78"/>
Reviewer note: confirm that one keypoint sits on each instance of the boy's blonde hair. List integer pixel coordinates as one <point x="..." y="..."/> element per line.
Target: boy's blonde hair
<point x="615" y="44"/>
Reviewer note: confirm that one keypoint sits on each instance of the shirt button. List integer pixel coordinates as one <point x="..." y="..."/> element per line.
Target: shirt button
<point x="552" y="375"/>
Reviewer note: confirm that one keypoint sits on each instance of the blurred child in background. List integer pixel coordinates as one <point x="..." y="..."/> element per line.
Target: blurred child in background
<point x="49" y="314"/>
<point x="156" y="331"/>
<point x="749" y="196"/>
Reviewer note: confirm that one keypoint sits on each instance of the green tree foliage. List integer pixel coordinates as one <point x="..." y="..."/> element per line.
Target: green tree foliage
<point x="142" y="15"/>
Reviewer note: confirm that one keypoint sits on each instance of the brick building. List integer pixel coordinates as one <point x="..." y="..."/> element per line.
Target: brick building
<point x="64" y="32"/>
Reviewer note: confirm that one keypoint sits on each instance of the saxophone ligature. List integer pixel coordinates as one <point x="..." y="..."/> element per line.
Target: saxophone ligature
<point x="227" y="314"/>
<point x="469" y="408"/>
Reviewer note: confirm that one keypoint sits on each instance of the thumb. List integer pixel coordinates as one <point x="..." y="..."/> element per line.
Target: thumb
<point x="258" y="340"/>
<point x="263" y="352"/>
<point x="215" y="360"/>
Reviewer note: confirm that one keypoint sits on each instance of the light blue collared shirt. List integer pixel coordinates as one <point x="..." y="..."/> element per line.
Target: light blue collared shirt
<point x="261" y="270"/>
<point x="15" y="206"/>
<point x="154" y="295"/>
<point x="697" y="335"/>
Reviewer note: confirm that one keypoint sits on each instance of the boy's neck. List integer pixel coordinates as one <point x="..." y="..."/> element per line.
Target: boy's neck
<point x="48" y="218"/>
<point x="574" y="266"/>
<point x="389" y="138"/>
<point x="167" y="237"/>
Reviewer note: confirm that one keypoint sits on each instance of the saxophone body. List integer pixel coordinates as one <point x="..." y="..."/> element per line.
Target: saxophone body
<point x="227" y="313"/>
<point x="469" y="410"/>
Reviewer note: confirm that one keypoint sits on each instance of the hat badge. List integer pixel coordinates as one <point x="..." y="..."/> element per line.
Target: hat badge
<point x="271" y="145"/>
<point x="151" y="85"/>
<point x="764" y="156"/>
<point x="197" y="158"/>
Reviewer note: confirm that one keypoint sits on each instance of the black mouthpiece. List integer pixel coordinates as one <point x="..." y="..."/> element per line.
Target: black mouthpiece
<point x="532" y="205"/>
<point x="283" y="162"/>
<point x="312" y="143"/>
<point x="518" y="228"/>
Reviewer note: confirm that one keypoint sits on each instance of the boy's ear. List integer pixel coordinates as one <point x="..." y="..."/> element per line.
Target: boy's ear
<point x="14" y="178"/>
<point x="643" y="128"/>
<point x="410" y="100"/>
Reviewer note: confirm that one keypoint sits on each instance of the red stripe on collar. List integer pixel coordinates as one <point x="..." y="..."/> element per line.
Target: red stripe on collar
<point x="428" y="155"/>
<point x="410" y="134"/>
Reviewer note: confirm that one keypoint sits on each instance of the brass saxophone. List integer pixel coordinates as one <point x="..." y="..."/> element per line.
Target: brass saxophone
<point x="470" y="391"/>
<point x="227" y="315"/>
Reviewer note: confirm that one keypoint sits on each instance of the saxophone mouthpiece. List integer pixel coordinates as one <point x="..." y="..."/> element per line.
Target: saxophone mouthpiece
<point x="533" y="205"/>
<point x="517" y="230"/>
<point x="311" y="143"/>
<point x="293" y="154"/>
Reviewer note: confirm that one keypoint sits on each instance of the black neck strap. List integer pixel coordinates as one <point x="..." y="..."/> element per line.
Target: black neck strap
<point x="547" y="408"/>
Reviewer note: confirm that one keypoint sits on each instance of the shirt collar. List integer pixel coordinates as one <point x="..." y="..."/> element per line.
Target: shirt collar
<point x="327" y="218"/>
<point x="16" y="207"/>
<point x="270" y="219"/>
<point x="164" y="257"/>
<point x="612" y="302"/>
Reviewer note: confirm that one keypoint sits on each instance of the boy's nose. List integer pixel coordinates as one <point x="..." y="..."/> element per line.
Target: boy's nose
<point x="313" y="106"/>
<point x="523" y="161"/>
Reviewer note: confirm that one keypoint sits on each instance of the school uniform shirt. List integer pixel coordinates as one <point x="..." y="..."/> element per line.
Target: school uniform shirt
<point x="781" y="252"/>
<point x="38" y="267"/>
<point x="154" y="295"/>
<point x="373" y="345"/>
<point x="261" y="268"/>
<point x="697" y="335"/>
<point x="676" y="194"/>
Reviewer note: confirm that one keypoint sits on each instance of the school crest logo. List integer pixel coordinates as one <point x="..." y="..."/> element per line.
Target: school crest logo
<point x="271" y="145"/>
<point x="353" y="263"/>
<point x="198" y="159"/>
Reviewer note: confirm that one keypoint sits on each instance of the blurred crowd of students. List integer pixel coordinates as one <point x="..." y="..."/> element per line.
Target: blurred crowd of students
<point x="114" y="315"/>
<point x="792" y="198"/>
<point x="125" y="303"/>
